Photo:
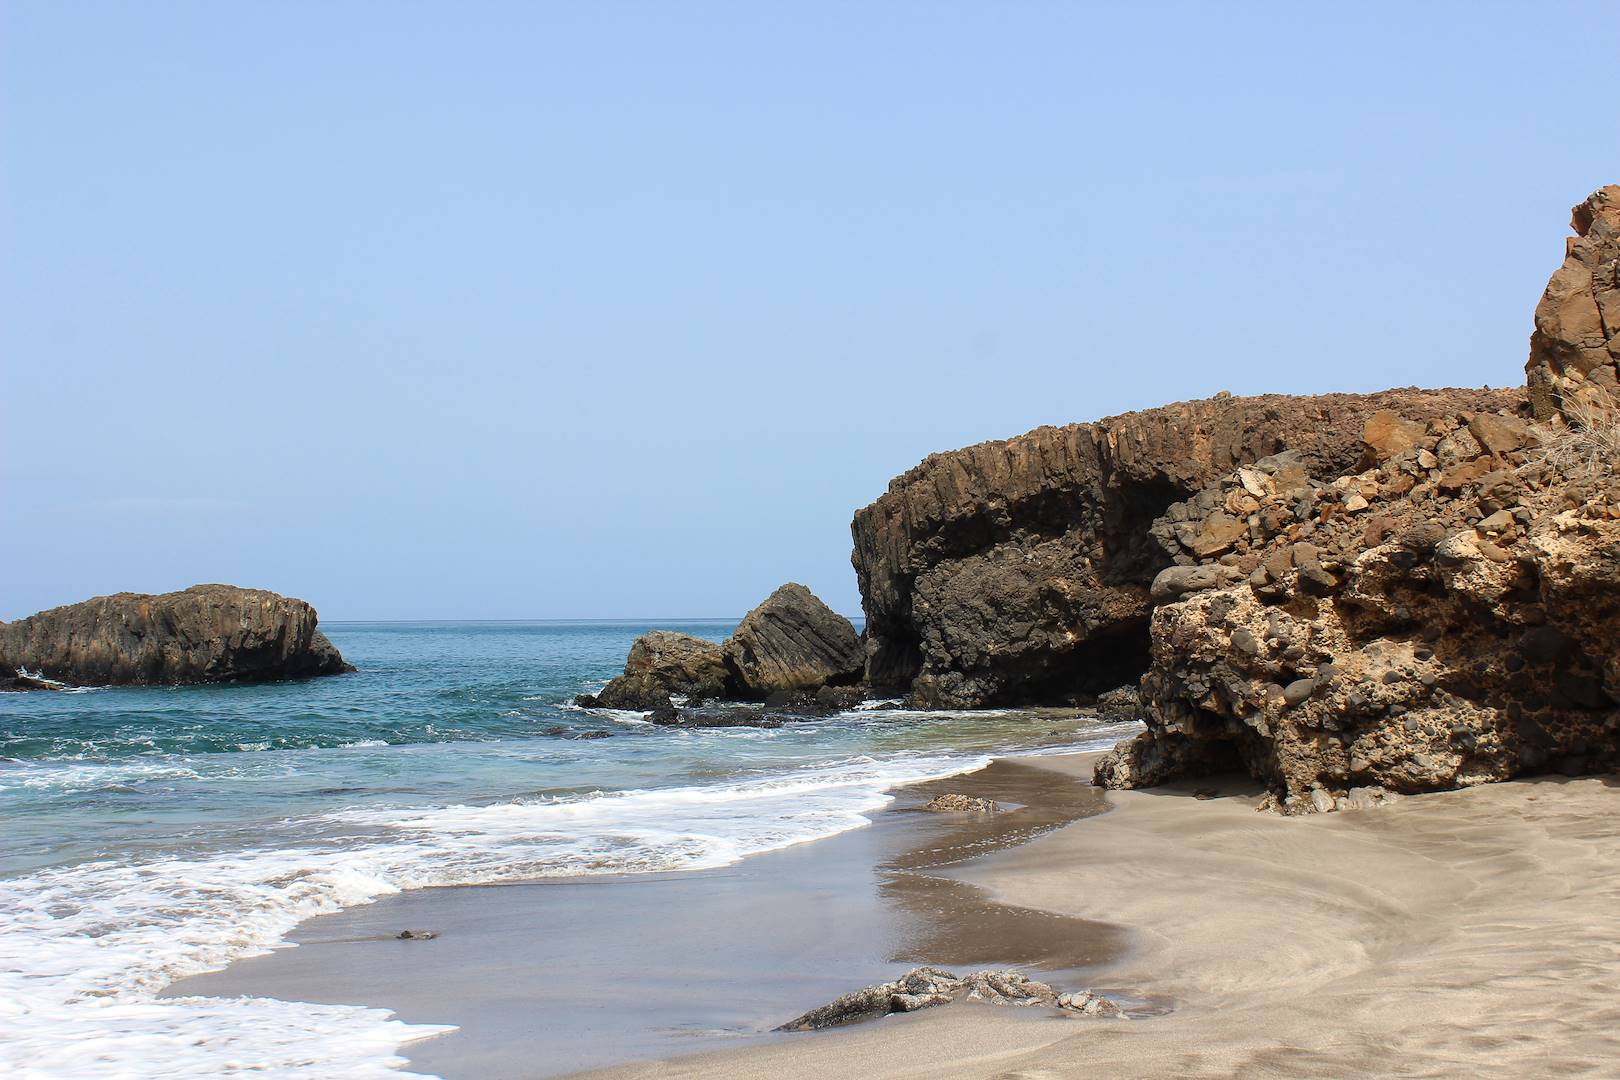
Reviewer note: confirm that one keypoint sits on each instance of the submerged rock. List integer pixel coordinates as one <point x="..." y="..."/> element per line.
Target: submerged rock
<point x="792" y="642"/>
<point x="204" y="634"/>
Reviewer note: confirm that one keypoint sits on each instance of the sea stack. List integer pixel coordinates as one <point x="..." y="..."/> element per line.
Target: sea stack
<point x="204" y="634"/>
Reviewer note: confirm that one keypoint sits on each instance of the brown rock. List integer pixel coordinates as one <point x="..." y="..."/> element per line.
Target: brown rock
<point x="204" y="634"/>
<point x="1574" y="348"/>
<point x="1387" y="434"/>
<point x="792" y="641"/>
<point x="1019" y="570"/>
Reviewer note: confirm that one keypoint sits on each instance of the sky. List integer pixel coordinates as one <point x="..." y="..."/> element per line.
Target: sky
<point x="521" y="310"/>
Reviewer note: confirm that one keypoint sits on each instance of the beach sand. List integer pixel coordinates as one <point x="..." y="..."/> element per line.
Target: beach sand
<point x="1470" y="933"/>
<point x="551" y="977"/>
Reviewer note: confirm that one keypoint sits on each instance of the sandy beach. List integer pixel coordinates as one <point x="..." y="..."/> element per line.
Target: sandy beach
<point x="549" y="977"/>
<point x="1463" y="933"/>
<point x="1467" y="933"/>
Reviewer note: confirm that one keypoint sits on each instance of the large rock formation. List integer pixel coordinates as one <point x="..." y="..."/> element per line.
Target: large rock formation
<point x="792" y="641"/>
<point x="204" y="634"/>
<point x="1020" y="570"/>
<point x="1444" y="616"/>
<point x="662" y="663"/>
<point x="1575" y="350"/>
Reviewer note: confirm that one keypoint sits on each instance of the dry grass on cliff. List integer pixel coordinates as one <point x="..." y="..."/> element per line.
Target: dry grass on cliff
<point x="1588" y="445"/>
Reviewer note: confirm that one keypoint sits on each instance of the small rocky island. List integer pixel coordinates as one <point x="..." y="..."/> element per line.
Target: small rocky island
<point x="790" y="651"/>
<point x="204" y="634"/>
<point x="1346" y="595"/>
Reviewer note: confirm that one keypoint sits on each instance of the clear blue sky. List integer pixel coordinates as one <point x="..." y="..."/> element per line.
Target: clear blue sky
<point x="486" y="310"/>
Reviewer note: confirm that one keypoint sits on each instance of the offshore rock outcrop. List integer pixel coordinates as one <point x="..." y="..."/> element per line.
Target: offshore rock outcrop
<point x="662" y="663"/>
<point x="204" y="634"/>
<point x="1021" y="570"/>
<point x="792" y="650"/>
<point x="792" y="641"/>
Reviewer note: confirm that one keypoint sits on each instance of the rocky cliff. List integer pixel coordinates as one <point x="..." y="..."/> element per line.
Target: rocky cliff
<point x="204" y="634"/>
<point x="1019" y="570"/>
<point x="1345" y="595"/>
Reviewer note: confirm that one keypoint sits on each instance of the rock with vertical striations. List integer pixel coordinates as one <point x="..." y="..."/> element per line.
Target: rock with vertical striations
<point x="204" y="634"/>
<point x="792" y="641"/>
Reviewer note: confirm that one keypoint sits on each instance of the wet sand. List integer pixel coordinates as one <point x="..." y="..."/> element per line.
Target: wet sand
<point x="550" y="977"/>
<point x="1462" y="934"/>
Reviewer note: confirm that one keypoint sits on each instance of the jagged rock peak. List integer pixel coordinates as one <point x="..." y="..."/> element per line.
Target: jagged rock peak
<point x="1574" y="364"/>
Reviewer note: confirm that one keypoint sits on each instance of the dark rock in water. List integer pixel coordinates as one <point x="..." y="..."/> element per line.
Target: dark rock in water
<point x="839" y="698"/>
<point x="714" y="718"/>
<point x="1120" y="706"/>
<point x="417" y="935"/>
<point x="17" y="681"/>
<point x="662" y="663"/>
<point x="790" y="642"/>
<point x="204" y="634"/>
<point x="955" y="802"/>
<point x="586" y="736"/>
<point x="665" y="715"/>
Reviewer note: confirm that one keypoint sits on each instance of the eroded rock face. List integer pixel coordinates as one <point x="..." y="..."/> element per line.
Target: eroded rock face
<point x="1022" y="570"/>
<point x="204" y="634"/>
<point x="791" y="642"/>
<point x="662" y="663"/>
<point x="1575" y="348"/>
<point x="1444" y="618"/>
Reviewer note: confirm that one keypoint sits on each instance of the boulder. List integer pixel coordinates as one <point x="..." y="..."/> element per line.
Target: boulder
<point x="662" y="663"/>
<point x="792" y="642"/>
<point x="204" y="634"/>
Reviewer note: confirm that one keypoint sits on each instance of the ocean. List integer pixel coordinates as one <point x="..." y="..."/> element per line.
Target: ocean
<point x="151" y="834"/>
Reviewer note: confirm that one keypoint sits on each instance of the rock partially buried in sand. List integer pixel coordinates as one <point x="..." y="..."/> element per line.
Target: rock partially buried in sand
<point x="1009" y="988"/>
<point x="926" y="987"/>
<point x="1088" y="1004"/>
<point x="955" y="802"/>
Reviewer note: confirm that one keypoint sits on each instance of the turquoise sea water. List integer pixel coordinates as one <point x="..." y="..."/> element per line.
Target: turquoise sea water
<point x="154" y="833"/>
